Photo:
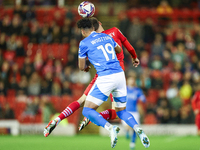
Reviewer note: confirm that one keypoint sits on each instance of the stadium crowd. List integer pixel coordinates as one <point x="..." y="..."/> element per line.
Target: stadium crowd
<point x="38" y="60"/>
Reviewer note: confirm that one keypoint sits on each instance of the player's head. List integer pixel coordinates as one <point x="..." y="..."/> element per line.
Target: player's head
<point x="86" y="26"/>
<point x="97" y="25"/>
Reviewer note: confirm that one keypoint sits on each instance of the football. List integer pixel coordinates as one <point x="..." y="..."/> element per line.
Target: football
<point x="86" y="9"/>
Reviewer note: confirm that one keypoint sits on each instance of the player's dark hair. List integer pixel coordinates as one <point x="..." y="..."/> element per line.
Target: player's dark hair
<point x="95" y="23"/>
<point x="84" y="23"/>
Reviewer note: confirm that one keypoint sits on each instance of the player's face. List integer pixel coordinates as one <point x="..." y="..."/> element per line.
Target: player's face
<point x="130" y="81"/>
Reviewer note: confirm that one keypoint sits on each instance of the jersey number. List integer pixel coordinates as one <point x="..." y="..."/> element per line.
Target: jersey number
<point x="106" y="50"/>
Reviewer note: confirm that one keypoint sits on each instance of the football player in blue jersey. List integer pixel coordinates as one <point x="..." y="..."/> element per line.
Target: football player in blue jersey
<point x="100" y="49"/>
<point x="134" y="95"/>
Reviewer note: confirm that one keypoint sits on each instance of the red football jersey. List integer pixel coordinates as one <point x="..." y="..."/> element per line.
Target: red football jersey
<point x="119" y="38"/>
<point x="196" y="101"/>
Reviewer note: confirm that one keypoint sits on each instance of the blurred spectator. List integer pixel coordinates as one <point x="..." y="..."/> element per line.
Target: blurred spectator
<point x="157" y="82"/>
<point x="157" y="46"/>
<point x="25" y="28"/>
<point x="3" y="45"/>
<point x="32" y="107"/>
<point x="179" y="38"/>
<point x="58" y="18"/>
<point x="56" y="89"/>
<point x="56" y="34"/>
<point x="20" y="49"/>
<point x="4" y="73"/>
<point x="66" y="88"/>
<point x="3" y="90"/>
<point x="47" y="109"/>
<point x="45" y="36"/>
<point x="179" y="55"/>
<point x="28" y="68"/>
<point x="124" y="23"/>
<point x="15" y="76"/>
<point x="156" y="62"/>
<point x="164" y="8"/>
<point x="186" y="92"/>
<point x="34" y="85"/>
<point x="22" y="86"/>
<point x="18" y="10"/>
<point x="45" y="87"/>
<point x="136" y="30"/>
<point x="11" y="43"/>
<point x="38" y="62"/>
<point x="66" y="34"/>
<point x="16" y="25"/>
<point x="8" y="112"/>
<point x="5" y="25"/>
<point x="34" y="33"/>
<point x="149" y="33"/>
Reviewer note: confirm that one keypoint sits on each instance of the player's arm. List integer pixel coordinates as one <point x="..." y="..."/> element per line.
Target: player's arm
<point x="83" y="62"/>
<point x="129" y="48"/>
<point x="118" y="49"/>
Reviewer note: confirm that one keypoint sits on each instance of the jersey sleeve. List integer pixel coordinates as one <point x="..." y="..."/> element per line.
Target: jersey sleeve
<point x="126" y="44"/>
<point x="82" y="53"/>
<point x="120" y="35"/>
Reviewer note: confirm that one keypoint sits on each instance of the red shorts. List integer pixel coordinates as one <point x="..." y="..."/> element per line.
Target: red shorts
<point x="95" y="78"/>
<point x="197" y="121"/>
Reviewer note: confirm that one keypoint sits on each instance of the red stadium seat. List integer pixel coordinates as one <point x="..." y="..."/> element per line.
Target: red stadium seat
<point x="20" y="61"/>
<point x="150" y="119"/>
<point x="9" y="55"/>
<point x="11" y="101"/>
<point x="2" y="100"/>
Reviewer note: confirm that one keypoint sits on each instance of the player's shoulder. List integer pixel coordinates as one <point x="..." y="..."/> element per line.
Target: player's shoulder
<point x="112" y="29"/>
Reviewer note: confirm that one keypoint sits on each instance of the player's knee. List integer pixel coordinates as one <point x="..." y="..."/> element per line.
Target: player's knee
<point x="81" y="100"/>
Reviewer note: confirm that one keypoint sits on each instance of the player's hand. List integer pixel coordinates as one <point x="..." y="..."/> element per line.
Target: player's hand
<point x="136" y="62"/>
<point x="87" y="69"/>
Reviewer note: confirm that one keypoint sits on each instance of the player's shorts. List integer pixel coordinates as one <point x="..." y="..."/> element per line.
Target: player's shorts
<point x="136" y="115"/>
<point x="197" y="121"/>
<point x="87" y="90"/>
<point x="104" y="85"/>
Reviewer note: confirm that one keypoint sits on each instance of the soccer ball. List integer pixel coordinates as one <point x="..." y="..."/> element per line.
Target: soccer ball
<point x="86" y="9"/>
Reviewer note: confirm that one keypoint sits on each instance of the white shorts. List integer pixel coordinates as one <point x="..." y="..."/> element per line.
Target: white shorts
<point x="104" y="85"/>
<point x="136" y="115"/>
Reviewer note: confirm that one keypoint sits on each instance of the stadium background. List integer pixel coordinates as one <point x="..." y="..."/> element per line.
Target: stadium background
<point x="38" y="58"/>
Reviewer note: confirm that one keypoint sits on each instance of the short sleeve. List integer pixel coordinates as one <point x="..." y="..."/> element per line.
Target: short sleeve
<point x="82" y="53"/>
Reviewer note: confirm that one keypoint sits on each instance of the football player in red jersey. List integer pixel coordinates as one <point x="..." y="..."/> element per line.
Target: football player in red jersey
<point x="196" y="108"/>
<point x="109" y="113"/>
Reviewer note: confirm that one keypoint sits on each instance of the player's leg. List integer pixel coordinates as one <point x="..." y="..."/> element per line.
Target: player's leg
<point x="69" y="110"/>
<point x="95" y="98"/>
<point x="136" y="115"/>
<point x="108" y="114"/>
<point x="120" y="106"/>
<point x="90" y="112"/>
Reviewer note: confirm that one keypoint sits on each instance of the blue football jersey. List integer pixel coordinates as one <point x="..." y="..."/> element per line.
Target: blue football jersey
<point x="134" y="94"/>
<point x="99" y="48"/>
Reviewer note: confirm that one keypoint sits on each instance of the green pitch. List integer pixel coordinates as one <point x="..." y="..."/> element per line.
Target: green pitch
<point x="95" y="142"/>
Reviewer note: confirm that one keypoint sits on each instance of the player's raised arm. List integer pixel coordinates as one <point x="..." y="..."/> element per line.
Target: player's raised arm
<point x="129" y="48"/>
